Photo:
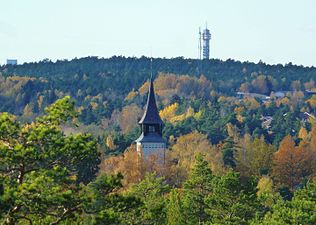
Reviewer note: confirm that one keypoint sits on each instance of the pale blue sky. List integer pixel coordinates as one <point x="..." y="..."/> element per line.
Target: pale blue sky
<point x="275" y="31"/>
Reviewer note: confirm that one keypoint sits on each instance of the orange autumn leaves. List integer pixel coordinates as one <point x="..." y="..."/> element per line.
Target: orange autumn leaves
<point x="179" y="160"/>
<point x="291" y="163"/>
<point x="288" y="165"/>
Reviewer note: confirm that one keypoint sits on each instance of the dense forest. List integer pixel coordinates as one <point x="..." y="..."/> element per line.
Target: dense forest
<point x="111" y="93"/>
<point x="241" y="142"/>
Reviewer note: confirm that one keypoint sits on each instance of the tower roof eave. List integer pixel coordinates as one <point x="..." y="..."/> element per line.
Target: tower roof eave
<point x="151" y="138"/>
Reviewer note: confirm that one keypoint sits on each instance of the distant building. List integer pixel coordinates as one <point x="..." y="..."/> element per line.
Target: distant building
<point x="305" y="116"/>
<point x="266" y="121"/>
<point x="241" y="95"/>
<point x="150" y="141"/>
<point x="310" y="92"/>
<point x="12" y="61"/>
<point x="280" y="94"/>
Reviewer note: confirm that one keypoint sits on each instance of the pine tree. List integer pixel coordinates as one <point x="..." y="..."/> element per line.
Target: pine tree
<point x="196" y="189"/>
<point x="41" y="167"/>
<point x="231" y="201"/>
<point x="228" y="153"/>
<point x="300" y="210"/>
<point x="151" y="192"/>
<point x="175" y="210"/>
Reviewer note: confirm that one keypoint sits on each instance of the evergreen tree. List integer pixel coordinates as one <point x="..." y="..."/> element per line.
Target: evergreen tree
<point x="175" y="209"/>
<point x="104" y="205"/>
<point x="300" y="210"/>
<point x="196" y="189"/>
<point x="228" y="152"/>
<point x="41" y="167"/>
<point x="151" y="192"/>
<point x="231" y="201"/>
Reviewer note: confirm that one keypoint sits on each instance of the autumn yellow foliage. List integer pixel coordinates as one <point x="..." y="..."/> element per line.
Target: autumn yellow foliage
<point x="284" y="101"/>
<point x="302" y="134"/>
<point x="128" y="117"/>
<point x="240" y="118"/>
<point x="253" y="156"/>
<point x="94" y="105"/>
<point x="144" y="88"/>
<point x="131" y="95"/>
<point x="168" y="85"/>
<point x="184" y="152"/>
<point x="169" y="112"/>
<point x="312" y="101"/>
<point x="128" y="164"/>
<point x="110" y="143"/>
<point x="198" y="115"/>
<point x="252" y="103"/>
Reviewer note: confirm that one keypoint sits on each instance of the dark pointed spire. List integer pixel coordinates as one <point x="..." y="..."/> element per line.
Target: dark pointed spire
<point x="151" y="114"/>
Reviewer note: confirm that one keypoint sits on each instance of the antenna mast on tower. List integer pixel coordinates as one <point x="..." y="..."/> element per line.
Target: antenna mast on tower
<point x="200" y="44"/>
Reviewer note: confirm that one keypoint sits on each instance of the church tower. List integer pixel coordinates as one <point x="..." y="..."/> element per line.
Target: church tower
<point x="150" y="141"/>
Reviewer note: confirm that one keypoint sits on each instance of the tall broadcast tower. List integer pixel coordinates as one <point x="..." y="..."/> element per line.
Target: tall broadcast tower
<point x="205" y="37"/>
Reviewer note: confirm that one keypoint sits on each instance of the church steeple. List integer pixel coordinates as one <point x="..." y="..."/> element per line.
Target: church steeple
<point x="150" y="141"/>
<point x="151" y="114"/>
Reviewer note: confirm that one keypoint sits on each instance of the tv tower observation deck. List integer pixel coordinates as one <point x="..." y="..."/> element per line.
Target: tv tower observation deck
<point x="206" y="37"/>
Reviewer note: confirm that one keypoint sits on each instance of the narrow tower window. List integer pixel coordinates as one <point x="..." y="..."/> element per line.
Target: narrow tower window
<point x="151" y="129"/>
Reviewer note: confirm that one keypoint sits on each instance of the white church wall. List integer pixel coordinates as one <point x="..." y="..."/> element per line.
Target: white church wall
<point x="147" y="149"/>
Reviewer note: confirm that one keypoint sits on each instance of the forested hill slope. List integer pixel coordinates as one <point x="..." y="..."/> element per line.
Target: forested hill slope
<point x="192" y="95"/>
<point x="122" y="74"/>
<point x="111" y="93"/>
